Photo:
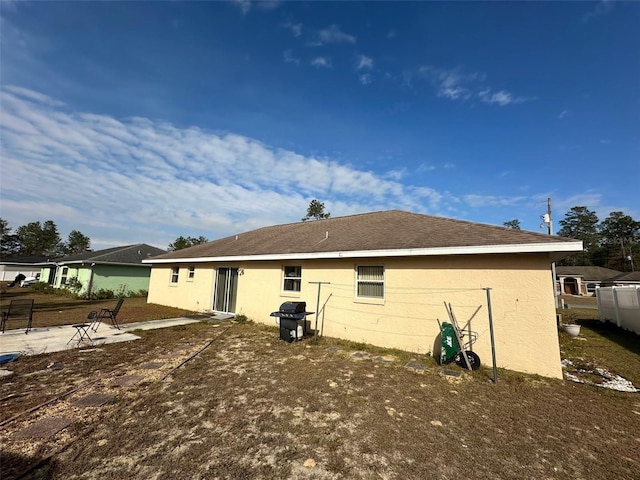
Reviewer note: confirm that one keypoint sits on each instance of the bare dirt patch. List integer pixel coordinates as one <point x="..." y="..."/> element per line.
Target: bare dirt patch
<point x="251" y="406"/>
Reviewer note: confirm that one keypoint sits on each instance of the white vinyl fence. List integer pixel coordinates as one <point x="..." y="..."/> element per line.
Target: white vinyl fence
<point x="620" y="305"/>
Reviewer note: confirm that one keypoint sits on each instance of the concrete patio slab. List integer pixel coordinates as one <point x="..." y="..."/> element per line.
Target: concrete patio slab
<point x="55" y="339"/>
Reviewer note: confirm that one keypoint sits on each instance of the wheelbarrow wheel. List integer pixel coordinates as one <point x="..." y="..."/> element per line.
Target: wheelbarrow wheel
<point x="474" y="360"/>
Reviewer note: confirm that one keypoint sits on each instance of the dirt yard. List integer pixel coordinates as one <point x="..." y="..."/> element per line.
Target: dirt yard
<point x="249" y="406"/>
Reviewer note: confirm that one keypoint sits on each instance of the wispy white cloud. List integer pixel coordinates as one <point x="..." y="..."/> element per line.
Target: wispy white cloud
<point x="563" y="114"/>
<point x="451" y="84"/>
<point x="455" y="84"/>
<point x="321" y="62"/>
<point x="288" y="57"/>
<point x="492" y="200"/>
<point x="245" y="5"/>
<point x="333" y="34"/>
<point x="425" y="167"/>
<point x="601" y="8"/>
<point x="129" y="180"/>
<point x="364" y="63"/>
<point x="365" y="78"/>
<point x="502" y="97"/>
<point x="295" y="28"/>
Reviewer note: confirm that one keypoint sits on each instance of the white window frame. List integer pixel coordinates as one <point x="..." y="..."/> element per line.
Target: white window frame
<point x="191" y="274"/>
<point x="359" y="281"/>
<point x="293" y="275"/>
<point x="175" y="274"/>
<point x="63" y="275"/>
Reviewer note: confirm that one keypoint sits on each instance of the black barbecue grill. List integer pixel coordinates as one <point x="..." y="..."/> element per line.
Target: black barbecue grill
<point x="292" y="315"/>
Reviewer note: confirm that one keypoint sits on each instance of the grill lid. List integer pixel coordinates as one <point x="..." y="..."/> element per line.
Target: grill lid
<point x="293" y="307"/>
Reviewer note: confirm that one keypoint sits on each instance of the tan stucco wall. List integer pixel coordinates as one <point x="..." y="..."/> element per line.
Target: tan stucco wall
<point x="191" y="294"/>
<point x="415" y="288"/>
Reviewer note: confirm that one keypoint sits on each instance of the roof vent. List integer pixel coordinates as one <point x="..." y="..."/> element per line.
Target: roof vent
<point x="326" y="234"/>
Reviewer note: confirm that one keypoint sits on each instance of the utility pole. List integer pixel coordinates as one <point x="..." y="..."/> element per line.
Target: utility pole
<point x="546" y="219"/>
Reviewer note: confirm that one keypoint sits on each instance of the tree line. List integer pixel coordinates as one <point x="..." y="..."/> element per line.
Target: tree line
<point x="37" y="238"/>
<point x="612" y="243"/>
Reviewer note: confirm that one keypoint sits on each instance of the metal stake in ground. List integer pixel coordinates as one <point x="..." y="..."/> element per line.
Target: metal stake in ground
<point x="315" y="330"/>
<point x="493" y="343"/>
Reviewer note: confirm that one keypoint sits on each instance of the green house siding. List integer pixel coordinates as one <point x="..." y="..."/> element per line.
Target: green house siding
<point x="120" y="278"/>
<point x="67" y="272"/>
<point x="117" y="278"/>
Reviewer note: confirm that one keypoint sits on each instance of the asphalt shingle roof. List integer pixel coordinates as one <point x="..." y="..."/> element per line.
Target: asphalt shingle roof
<point x="128" y="254"/>
<point x="626" y="277"/>
<point x="587" y="272"/>
<point x="386" y="230"/>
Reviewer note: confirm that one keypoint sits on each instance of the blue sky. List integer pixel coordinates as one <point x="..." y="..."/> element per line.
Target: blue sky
<point x="141" y="121"/>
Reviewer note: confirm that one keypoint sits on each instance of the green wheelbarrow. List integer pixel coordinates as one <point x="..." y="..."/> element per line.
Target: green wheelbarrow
<point x="451" y="351"/>
<point x="456" y="343"/>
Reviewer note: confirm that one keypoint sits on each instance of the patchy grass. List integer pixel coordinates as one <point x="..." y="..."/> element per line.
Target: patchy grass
<point x="600" y="344"/>
<point x="605" y="345"/>
<point x="252" y="406"/>
<point x="52" y="310"/>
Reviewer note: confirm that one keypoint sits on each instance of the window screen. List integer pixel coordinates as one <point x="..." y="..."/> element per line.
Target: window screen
<point x="370" y="282"/>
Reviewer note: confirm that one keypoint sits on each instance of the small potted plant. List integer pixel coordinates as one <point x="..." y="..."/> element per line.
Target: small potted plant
<point x="570" y="326"/>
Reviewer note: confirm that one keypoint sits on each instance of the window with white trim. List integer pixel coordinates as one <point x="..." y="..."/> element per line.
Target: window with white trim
<point x="370" y="281"/>
<point x="63" y="275"/>
<point x="175" y="273"/>
<point x="292" y="279"/>
<point x="192" y="273"/>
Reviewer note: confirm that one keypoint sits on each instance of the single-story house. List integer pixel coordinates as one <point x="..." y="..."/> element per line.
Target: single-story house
<point x="119" y="269"/>
<point x="383" y="278"/>
<point x="581" y="280"/>
<point x="628" y="279"/>
<point x="29" y="266"/>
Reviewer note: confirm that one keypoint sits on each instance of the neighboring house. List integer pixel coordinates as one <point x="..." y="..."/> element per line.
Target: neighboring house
<point x="385" y="277"/>
<point x="29" y="266"/>
<point x="581" y="280"/>
<point x="118" y="269"/>
<point x="628" y="279"/>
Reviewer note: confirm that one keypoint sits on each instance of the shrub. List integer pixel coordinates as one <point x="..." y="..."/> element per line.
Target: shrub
<point x="74" y="285"/>
<point x="123" y="291"/>
<point x="102" y="294"/>
<point x="42" y="287"/>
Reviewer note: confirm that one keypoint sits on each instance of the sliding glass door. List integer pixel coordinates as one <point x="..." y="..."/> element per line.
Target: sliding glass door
<point x="226" y="289"/>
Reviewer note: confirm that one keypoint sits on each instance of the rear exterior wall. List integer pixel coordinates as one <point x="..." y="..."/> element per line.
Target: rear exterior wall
<point x="415" y="290"/>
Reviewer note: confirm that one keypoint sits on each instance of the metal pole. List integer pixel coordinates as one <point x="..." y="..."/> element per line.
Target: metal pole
<point x="493" y="343"/>
<point x="315" y="330"/>
<point x="553" y="264"/>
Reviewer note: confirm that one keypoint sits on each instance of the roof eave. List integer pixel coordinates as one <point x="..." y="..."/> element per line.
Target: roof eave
<point x="89" y="262"/>
<point x="555" y="249"/>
